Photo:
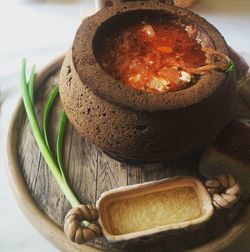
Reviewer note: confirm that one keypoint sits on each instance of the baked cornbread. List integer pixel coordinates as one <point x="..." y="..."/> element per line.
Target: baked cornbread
<point x="154" y="209"/>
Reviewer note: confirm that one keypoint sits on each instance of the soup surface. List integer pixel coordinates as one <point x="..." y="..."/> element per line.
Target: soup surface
<point x="153" y="56"/>
<point x="154" y="209"/>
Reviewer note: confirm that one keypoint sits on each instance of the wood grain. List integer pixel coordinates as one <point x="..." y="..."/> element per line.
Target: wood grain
<point x="91" y="172"/>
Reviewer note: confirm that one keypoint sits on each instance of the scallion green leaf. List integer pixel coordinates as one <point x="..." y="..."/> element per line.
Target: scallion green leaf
<point x="29" y="107"/>
<point x="59" y="143"/>
<point x="230" y="66"/>
<point x="31" y="83"/>
<point x="47" y="109"/>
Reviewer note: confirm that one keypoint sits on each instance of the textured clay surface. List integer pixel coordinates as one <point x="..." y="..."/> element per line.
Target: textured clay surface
<point x="135" y="125"/>
<point x="102" y="84"/>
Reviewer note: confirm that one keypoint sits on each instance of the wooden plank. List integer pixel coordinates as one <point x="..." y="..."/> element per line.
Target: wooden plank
<point x="91" y="172"/>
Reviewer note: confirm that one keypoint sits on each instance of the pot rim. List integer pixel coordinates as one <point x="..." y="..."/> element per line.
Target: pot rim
<point x="167" y="183"/>
<point x="112" y="90"/>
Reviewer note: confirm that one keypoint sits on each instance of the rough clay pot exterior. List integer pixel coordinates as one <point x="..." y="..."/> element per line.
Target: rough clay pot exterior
<point x="135" y="125"/>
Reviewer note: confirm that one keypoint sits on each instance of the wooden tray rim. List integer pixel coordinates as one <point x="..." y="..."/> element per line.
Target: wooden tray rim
<point x="44" y="225"/>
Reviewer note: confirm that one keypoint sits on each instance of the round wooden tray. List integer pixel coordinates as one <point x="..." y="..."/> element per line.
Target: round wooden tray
<point x="91" y="172"/>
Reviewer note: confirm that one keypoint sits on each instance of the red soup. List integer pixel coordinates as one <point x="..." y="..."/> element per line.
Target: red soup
<point x="154" y="57"/>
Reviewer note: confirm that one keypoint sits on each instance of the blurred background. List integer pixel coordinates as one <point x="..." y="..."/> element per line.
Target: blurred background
<point x="40" y="30"/>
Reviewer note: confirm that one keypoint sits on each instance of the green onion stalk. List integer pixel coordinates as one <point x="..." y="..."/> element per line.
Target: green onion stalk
<point x="42" y="142"/>
<point x="77" y="226"/>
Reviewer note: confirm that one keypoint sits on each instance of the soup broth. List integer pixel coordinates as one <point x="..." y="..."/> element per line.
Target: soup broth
<point x="153" y="56"/>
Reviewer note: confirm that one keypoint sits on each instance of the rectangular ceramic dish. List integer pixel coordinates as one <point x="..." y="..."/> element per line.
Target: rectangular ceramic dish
<point x="153" y="209"/>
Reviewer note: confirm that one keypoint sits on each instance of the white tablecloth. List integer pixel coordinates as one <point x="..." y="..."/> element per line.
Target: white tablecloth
<point x="40" y="30"/>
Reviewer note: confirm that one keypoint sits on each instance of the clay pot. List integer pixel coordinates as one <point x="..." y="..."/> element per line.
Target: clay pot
<point x="134" y="125"/>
